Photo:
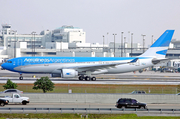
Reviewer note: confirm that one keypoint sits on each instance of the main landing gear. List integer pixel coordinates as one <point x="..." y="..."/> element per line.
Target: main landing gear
<point x="87" y="78"/>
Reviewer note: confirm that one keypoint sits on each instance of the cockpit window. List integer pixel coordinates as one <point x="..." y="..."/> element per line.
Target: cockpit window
<point x="9" y="62"/>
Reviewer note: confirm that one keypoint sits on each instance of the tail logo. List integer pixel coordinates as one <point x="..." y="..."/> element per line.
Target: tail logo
<point x="162" y="52"/>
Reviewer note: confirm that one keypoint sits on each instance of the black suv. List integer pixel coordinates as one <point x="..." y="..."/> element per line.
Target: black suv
<point x="130" y="103"/>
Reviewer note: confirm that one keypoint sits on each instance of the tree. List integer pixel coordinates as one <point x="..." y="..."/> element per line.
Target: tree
<point x="10" y="85"/>
<point x="44" y="83"/>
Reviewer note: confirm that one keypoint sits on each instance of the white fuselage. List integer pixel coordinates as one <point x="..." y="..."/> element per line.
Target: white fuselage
<point x="54" y="67"/>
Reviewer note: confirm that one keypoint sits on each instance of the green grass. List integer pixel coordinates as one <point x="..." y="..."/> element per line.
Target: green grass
<point x="78" y="116"/>
<point x="91" y="88"/>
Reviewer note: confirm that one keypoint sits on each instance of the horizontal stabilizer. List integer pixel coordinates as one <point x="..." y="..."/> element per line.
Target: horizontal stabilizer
<point x="134" y="60"/>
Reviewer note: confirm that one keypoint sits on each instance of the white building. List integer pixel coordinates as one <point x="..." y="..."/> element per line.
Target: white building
<point x="58" y="39"/>
<point x="69" y="34"/>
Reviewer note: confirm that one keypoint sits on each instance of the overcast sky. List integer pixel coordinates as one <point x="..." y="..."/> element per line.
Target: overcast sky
<point x="95" y="17"/>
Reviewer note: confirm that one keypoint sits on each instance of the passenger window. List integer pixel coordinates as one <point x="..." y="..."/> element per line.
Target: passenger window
<point x="120" y="101"/>
<point x="8" y="91"/>
<point x="128" y="101"/>
<point x="134" y="101"/>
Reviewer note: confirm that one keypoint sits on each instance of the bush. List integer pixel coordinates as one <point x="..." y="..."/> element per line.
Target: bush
<point x="44" y="83"/>
<point x="10" y="85"/>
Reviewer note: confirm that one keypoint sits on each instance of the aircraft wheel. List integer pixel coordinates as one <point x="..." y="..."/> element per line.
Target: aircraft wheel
<point x="80" y="78"/>
<point x="87" y="78"/>
<point x="93" y="78"/>
<point x="20" y="78"/>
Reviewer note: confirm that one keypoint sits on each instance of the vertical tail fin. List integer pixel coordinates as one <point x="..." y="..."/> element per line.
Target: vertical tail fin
<point x="159" y="48"/>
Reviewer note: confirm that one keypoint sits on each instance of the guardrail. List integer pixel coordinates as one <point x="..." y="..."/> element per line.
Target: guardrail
<point x="87" y="110"/>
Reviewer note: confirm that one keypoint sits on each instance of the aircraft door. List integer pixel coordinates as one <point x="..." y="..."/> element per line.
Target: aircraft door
<point x="19" y="63"/>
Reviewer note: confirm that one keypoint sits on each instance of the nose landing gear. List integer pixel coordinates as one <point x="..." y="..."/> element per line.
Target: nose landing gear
<point x="21" y="77"/>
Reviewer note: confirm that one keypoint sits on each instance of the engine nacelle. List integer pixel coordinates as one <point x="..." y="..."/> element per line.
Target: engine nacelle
<point x="69" y="73"/>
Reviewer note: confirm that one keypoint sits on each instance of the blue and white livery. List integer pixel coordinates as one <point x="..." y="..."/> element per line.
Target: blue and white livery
<point x="84" y="67"/>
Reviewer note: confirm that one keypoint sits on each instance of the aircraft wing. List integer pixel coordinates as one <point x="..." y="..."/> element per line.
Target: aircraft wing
<point x="95" y="67"/>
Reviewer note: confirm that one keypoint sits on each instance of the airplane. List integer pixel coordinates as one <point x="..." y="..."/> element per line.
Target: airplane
<point x="85" y="67"/>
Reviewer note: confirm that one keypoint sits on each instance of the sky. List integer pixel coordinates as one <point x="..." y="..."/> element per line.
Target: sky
<point x="95" y="17"/>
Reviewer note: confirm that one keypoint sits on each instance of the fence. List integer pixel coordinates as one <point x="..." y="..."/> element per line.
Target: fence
<point x="88" y="110"/>
<point x="99" y="98"/>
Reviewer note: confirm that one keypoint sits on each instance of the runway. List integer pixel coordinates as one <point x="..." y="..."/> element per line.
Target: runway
<point x="145" y="78"/>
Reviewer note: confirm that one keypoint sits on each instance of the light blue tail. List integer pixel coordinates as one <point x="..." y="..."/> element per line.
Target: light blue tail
<point x="159" y="48"/>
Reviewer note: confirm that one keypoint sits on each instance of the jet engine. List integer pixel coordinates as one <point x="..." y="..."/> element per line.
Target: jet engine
<point x="69" y="73"/>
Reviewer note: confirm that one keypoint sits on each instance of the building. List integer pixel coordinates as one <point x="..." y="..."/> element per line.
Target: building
<point x="16" y="45"/>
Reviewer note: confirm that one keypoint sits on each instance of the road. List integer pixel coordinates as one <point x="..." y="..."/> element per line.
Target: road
<point x="145" y="78"/>
<point x="87" y="105"/>
<point x="74" y="109"/>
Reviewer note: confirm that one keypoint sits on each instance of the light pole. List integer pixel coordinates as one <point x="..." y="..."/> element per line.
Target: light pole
<point x="124" y="46"/>
<point x="131" y="43"/>
<point x="143" y="41"/>
<point x="33" y="43"/>
<point x="107" y="37"/>
<point x="103" y="44"/>
<point x="121" y="44"/>
<point x="129" y="33"/>
<point x="107" y="42"/>
<point x="114" y="43"/>
<point x="15" y="45"/>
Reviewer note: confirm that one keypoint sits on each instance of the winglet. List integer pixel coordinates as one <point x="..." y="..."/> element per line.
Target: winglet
<point x="134" y="60"/>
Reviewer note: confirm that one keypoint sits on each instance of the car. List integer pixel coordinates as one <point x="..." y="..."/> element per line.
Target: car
<point x="12" y="91"/>
<point x="130" y="103"/>
<point x="15" y="98"/>
<point x="3" y="102"/>
<point x="138" y="92"/>
<point x="178" y="94"/>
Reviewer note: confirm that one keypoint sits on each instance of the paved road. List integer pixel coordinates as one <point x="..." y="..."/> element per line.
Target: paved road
<point x="74" y="105"/>
<point x="86" y="105"/>
<point x="149" y="77"/>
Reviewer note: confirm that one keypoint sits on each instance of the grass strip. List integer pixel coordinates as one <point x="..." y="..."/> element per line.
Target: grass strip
<point x="101" y="88"/>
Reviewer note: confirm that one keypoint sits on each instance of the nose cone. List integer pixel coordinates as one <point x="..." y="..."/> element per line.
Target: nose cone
<point x="3" y="66"/>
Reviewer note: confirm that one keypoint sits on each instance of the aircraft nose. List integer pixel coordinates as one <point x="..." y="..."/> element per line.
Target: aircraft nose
<point x="3" y="66"/>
